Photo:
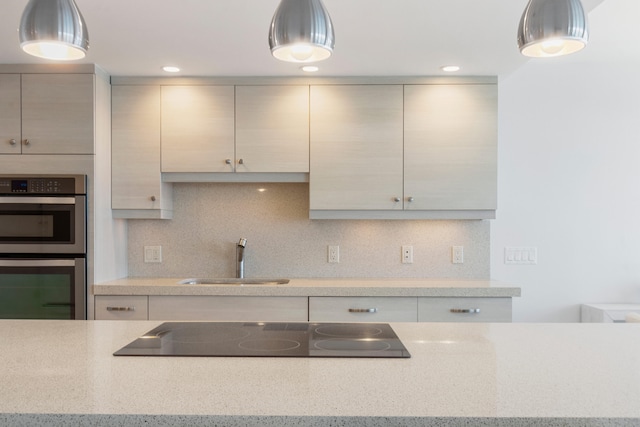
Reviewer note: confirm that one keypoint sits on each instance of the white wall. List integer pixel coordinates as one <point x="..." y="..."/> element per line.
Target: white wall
<point x="569" y="173"/>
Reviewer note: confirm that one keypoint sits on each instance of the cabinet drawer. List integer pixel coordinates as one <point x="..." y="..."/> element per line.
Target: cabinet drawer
<point x="121" y="307"/>
<point x="362" y="309"/>
<point x="459" y="309"/>
<point x="228" y="308"/>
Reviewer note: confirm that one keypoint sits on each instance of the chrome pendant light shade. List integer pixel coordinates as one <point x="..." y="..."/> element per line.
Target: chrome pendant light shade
<point x="54" y="29"/>
<point x="301" y="31"/>
<point x="552" y="28"/>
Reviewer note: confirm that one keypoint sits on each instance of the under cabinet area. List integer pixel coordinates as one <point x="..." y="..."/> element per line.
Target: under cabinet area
<point x="464" y="309"/>
<point x="228" y="308"/>
<point x="363" y="309"/>
<point x="47" y="114"/>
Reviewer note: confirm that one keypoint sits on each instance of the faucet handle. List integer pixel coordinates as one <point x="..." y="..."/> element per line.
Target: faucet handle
<point x="242" y="242"/>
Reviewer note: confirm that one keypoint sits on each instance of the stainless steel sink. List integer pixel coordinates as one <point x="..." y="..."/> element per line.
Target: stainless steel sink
<point x="234" y="282"/>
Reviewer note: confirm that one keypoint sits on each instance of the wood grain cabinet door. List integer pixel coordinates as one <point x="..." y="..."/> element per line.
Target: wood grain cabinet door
<point x="136" y="181"/>
<point x="197" y="128"/>
<point x="356" y="147"/>
<point x="58" y="113"/>
<point x="10" y="124"/>
<point x="272" y="129"/>
<point x="464" y="309"/>
<point x="228" y="308"/>
<point x="450" y="147"/>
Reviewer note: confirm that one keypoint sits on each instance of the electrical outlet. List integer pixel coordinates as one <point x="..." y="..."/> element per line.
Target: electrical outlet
<point x="457" y="254"/>
<point x="333" y="254"/>
<point x="407" y="254"/>
<point x="153" y="254"/>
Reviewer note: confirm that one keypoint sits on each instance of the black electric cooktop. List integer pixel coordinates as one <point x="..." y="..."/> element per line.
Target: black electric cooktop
<point x="268" y="340"/>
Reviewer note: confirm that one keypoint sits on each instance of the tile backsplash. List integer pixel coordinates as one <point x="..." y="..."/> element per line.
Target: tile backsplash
<point x="210" y="218"/>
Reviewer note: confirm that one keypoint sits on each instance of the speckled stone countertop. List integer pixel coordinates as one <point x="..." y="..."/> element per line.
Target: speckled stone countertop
<point x="63" y="373"/>
<point x="315" y="287"/>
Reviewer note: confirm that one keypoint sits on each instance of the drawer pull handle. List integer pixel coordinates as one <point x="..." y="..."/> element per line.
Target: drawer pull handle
<point x="465" y="310"/>
<point x="363" y="310"/>
<point x="121" y="309"/>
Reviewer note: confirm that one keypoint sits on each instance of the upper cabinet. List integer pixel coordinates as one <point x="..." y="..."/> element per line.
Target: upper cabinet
<point x="450" y="157"/>
<point x="272" y="129"/>
<point x="197" y="128"/>
<point x="137" y="188"/>
<point x="212" y="132"/>
<point x="401" y="152"/>
<point x="370" y="148"/>
<point x="356" y="147"/>
<point x="47" y="113"/>
<point x="10" y="121"/>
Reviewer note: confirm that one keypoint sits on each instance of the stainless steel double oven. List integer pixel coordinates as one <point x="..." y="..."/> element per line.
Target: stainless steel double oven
<point x="43" y="247"/>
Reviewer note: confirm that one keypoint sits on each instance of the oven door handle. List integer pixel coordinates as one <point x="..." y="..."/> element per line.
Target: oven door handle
<point x="38" y="200"/>
<point x="37" y="262"/>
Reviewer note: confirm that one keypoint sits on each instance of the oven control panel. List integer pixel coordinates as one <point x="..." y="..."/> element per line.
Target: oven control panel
<point x="41" y="185"/>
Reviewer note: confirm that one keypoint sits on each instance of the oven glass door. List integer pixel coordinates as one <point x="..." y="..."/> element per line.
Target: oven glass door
<point x="42" y="288"/>
<point x="42" y="224"/>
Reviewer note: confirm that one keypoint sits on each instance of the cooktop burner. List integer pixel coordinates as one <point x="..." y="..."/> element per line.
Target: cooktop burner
<point x="268" y="340"/>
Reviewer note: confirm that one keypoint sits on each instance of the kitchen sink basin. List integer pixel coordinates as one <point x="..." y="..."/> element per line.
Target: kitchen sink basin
<point x="234" y="282"/>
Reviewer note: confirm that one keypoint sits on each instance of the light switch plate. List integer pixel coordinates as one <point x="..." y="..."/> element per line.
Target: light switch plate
<point x="153" y="254"/>
<point x="520" y="255"/>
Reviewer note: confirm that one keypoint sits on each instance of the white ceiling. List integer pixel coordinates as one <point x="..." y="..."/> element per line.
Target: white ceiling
<point x="229" y="37"/>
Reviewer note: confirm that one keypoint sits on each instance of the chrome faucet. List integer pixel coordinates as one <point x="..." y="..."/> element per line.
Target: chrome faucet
<point x="240" y="258"/>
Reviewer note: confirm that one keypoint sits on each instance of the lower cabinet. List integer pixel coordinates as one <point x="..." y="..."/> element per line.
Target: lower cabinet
<point x="121" y="307"/>
<point x="228" y="308"/>
<point x="464" y="309"/>
<point x="363" y="309"/>
<point x="302" y="309"/>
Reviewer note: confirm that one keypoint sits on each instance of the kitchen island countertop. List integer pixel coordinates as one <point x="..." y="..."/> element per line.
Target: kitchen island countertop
<point x="63" y="373"/>
<point x="314" y="287"/>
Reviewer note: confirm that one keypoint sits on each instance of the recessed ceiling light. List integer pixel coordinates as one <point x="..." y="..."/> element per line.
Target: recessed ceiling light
<point x="450" y="68"/>
<point x="170" y="69"/>
<point x="309" y="68"/>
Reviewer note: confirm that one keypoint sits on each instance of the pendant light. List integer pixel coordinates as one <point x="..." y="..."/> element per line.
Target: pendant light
<point x="552" y="28"/>
<point x="301" y="31"/>
<point x="53" y="29"/>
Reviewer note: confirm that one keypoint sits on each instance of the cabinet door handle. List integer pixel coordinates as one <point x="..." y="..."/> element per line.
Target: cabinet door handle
<point x="363" y="310"/>
<point x="153" y="198"/>
<point x="27" y="142"/>
<point x="396" y="199"/>
<point x="13" y="142"/>
<point x="121" y="309"/>
<point x="228" y="161"/>
<point x="241" y="162"/>
<point x="465" y="310"/>
<point x="409" y="199"/>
